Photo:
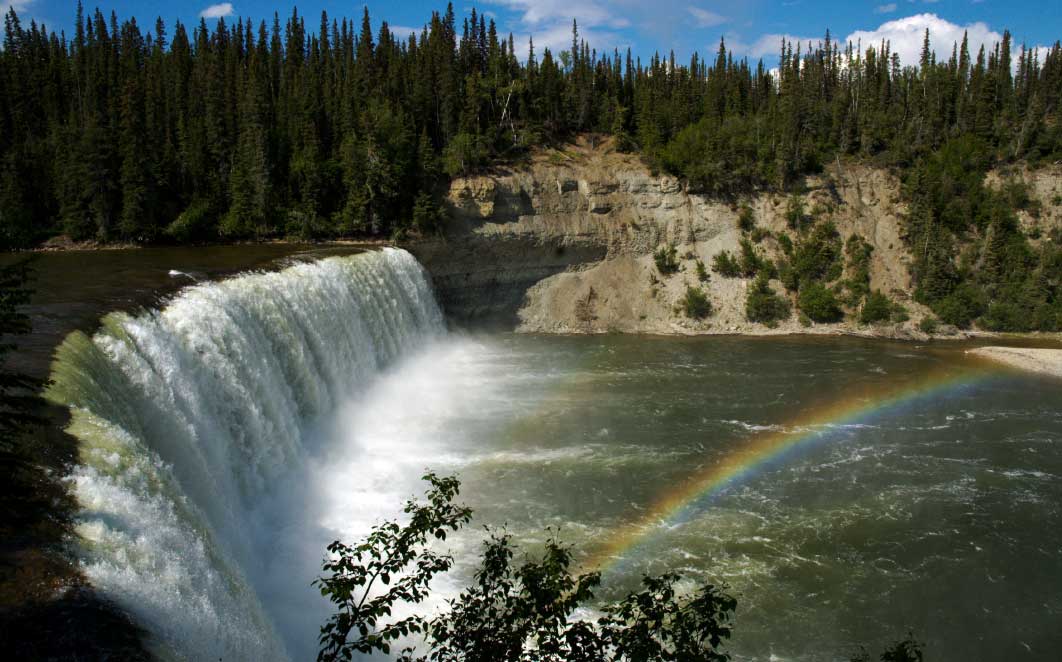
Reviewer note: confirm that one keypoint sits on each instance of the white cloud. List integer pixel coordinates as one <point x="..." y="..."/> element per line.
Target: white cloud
<point x="402" y="31"/>
<point x="219" y="10"/>
<point x="766" y="45"/>
<point x="550" y="23"/>
<point x="545" y="12"/>
<point x="905" y="36"/>
<point x="885" y="9"/>
<point x="705" y="18"/>
<point x="20" y="7"/>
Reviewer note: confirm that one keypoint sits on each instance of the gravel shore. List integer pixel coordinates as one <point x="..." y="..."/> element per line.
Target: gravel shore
<point x="1043" y="361"/>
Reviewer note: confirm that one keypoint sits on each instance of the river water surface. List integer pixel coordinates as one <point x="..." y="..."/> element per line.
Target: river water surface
<point x="847" y="491"/>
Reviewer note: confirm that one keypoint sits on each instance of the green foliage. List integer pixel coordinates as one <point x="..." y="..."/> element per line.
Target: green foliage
<point x="666" y="259"/>
<point x="858" y="252"/>
<point x="785" y="243"/>
<point x="196" y="223"/>
<point x="702" y="273"/>
<point x="465" y="154"/>
<point x="113" y="133"/>
<point x="763" y="305"/>
<point x="695" y="303"/>
<point x="746" y="219"/>
<point x="511" y="612"/>
<point x="795" y="215"/>
<point x="815" y="258"/>
<point x="750" y="262"/>
<point x="400" y="559"/>
<point x="721" y="160"/>
<point x="876" y="308"/>
<point x="819" y="303"/>
<point x="428" y="217"/>
<point x="929" y="325"/>
<point x="725" y="265"/>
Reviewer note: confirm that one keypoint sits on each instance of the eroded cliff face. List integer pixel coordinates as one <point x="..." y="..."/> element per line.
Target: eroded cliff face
<point x="564" y="244"/>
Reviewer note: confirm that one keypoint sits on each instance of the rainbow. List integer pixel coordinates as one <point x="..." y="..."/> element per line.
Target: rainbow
<point x="814" y="426"/>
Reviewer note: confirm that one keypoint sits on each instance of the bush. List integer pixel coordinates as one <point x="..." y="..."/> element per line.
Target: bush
<point x="795" y="216"/>
<point x="746" y="219"/>
<point x="858" y="252"/>
<point x="427" y="215"/>
<point x="820" y="304"/>
<point x="702" y="273"/>
<point x="929" y="325"/>
<point x="511" y="611"/>
<point x="725" y="265"/>
<point x="666" y="259"/>
<point x="763" y="305"/>
<point x="196" y="223"/>
<point x="817" y="257"/>
<point x="696" y="303"/>
<point x="750" y="262"/>
<point x="464" y="154"/>
<point x="786" y="243"/>
<point x="961" y="307"/>
<point x="876" y="308"/>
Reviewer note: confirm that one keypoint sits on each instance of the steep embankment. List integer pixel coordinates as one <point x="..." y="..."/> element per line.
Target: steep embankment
<point x="565" y="244"/>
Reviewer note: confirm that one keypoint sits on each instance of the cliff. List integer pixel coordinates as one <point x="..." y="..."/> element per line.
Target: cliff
<point x="564" y="244"/>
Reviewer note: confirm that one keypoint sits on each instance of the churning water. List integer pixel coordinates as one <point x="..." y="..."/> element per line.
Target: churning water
<point x="846" y="490"/>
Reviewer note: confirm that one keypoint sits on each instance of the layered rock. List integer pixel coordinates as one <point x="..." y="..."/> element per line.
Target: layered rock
<point x="564" y="244"/>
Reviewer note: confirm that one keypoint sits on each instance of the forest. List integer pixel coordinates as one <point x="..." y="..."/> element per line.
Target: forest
<point x="185" y="134"/>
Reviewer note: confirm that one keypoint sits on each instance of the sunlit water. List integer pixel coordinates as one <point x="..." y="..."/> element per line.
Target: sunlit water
<point x="942" y="518"/>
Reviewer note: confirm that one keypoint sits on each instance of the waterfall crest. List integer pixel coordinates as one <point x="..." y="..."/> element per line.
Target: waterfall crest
<point x="188" y="414"/>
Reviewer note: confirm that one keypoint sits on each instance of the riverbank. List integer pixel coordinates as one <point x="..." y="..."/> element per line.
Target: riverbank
<point x="1032" y="359"/>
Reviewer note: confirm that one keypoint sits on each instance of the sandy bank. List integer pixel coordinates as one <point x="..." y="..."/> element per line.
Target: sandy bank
<point x="1044" y="361"/>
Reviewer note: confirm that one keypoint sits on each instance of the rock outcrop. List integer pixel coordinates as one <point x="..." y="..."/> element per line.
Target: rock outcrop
<point x="565" y="242"/>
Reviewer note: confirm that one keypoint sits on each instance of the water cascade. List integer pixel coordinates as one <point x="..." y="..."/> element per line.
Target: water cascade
<point x="188" y="418"/>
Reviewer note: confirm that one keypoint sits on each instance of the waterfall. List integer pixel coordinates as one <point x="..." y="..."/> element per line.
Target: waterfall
<point x="188" y="416"/>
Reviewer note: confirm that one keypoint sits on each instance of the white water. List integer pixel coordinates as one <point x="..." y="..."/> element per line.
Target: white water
<point x="202" y="513"/>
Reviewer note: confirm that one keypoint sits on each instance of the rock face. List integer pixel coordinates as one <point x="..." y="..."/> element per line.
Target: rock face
<point x="564" y="244"/>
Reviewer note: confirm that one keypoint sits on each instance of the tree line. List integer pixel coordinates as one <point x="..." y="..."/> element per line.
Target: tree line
<point x="236" y="131"/>
<point x="118" y="133"/>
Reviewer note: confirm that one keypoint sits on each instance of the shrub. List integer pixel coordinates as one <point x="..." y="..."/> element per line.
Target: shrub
<point x="786" y="243"/>
<point x="929" y="325"/>
<point x="759" y="234"/>
<point x="725" y="265"/>
<point x="795" y="216"/>
<point x="763" y="305"/>
<point x="427" y="215"/>
<point x="750" y="262"/>
<point x="858" y="252"/>
<point x="820" y="304"/>
<point x="876" y="308"/>
<point x="961" y="307"/>
<point x="817" y="257"/>
<point x="696" y="303"/>
<point x="511" y="611"/>
<point x="464" y="154"/>
<point x="746" y="219"/>
<point x="702" y="273"/>
<point x="666" y="259"/>
<point x="194" y="224"/>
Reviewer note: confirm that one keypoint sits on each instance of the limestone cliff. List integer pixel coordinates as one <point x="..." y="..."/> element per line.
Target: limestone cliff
<point x="564" y="244"/>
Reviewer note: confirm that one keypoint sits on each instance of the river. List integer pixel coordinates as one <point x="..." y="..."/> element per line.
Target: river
<point x="846" y="490"/>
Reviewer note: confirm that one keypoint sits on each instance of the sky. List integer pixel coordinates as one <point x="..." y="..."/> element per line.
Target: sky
<point x="752" y="29"/>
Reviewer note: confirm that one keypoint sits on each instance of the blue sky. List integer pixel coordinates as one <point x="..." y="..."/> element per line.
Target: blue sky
<point x="753" y="28"/>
